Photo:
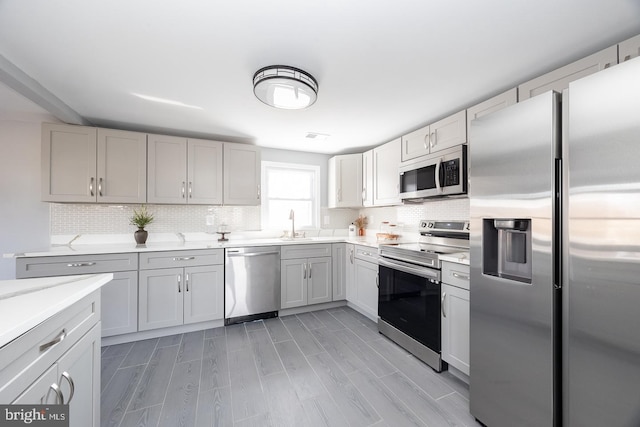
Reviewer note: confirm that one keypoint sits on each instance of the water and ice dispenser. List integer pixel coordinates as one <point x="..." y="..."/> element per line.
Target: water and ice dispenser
<point x="506" y="248"/>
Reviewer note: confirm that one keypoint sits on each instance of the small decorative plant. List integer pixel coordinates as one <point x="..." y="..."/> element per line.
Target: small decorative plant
<point x="141" y="217"/>
<point x="361" y="222"/>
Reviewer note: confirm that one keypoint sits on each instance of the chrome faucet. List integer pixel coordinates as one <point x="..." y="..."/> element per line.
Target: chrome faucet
<point x="292" y="216"/>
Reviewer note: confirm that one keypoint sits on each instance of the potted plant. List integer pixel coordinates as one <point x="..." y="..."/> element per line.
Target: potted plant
<point x="140" y="218"/>
<point x="361" y="222"/>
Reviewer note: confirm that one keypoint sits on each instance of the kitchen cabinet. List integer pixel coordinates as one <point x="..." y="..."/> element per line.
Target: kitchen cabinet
<point x="87" y="165"/>
<point x="119" y="298"/>
<point x="187" y="288"/>
<point x="242" y="174"/>
<point x="184" y="171"/>
<point x="455" y="315"/>
<point x="306" y="275"/>
<point x="386" y="178"/>
<point x="345" y="181"/>
<point x="339" y="262"/>
<point x="58" y="362"/>
<point x="367" y="178"/>
<point x="495" y="103"/>
<point x="560" y="78"/>
<point x="364" y="297"/>
<point x="445" y="133"/>
<point x="629" y="49"/>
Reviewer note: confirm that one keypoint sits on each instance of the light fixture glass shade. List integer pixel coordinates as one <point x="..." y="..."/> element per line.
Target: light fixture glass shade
<point x="285" y="87"/>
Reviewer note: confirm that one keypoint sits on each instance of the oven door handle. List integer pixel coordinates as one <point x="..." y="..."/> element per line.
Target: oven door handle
<point x="406" y="267"/>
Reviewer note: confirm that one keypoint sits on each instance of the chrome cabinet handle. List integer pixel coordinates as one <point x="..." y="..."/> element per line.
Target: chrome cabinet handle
<point x="81" y="264"/>
<point x="183" y="189"/>
<point x="304" y="271"/>
<point x="62" y="335"/>
<point x="351" y="256"/>
<point x="58" y="392"/>
<point x="309" y="271"/>
<point x="258" y="189"/>
<point x="190" y="190"/>
<point x="91" y="186"/>
<point x="426" y="144"/>
<point x="186" y="282"/>
<point x="179" y="282"/>
<point x="100" y="187"/>
<point x="459" y="276"/>
<point x="72" y="386"/>
<point x="364" y="194"/>
<point x="444" y="296"/>
<point x="184" y="258"/>
<point x="378" y="281"/>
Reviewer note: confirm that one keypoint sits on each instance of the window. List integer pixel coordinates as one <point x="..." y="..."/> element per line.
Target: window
<point x="287" y="186"/>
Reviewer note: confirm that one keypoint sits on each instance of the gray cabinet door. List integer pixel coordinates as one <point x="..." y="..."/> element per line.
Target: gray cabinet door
<point x="166" y="169"/>
<point x="319" y="280"/>
<point x="121" y="167"/>
<point x="68" y="163"/>
<point x="415" y="144"/>
<point x="204" y="183"/>
<point x="449" y="132"/>
<point x="241" y="174"/>
<point x="339" y="260"/>
<point x="160" y="298"/>
<point x="350" y="270"/>
<point x="40" y="392"/>
<point x="496" y="103"/>
<point x="386" y="178"/>
<point x="366" y="284"/>
<point x="203" y="293"/>
<point x="119" y="303"/>
<point x="367" y="178"/>
<point x="293" y="292"/>
<point x="345" y="181"/>
<point x="455" y="327"/>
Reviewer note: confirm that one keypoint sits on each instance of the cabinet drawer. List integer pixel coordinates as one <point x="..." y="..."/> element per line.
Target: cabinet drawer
<point x="23" y="361"/>
<point x="27" y="267"/>
<point x="169" y="259"/>
<point x="366" y="253"/>
<point x="455" y="274"/>
<point x="305" y="251"/>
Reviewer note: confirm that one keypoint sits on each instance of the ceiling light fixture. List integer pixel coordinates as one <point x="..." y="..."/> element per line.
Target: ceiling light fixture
<point x="285" y="87"/>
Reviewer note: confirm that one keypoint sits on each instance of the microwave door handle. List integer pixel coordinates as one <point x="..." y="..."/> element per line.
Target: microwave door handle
<point x="438" y="176"/>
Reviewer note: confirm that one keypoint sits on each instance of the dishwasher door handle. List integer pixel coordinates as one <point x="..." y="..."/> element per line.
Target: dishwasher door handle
<point x="233" y="254"/>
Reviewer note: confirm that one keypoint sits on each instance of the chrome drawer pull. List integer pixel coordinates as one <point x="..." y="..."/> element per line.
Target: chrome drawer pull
<point x="460" y="276"/>
<point x="57" y="391"/>
<point x="444" y="296"/>
<point x="72" y="386"/>
<point x="81" y="264"/>
<point x="184" y="258"/>
<point x="62" y="335"/>
<point x="179" y="282"/>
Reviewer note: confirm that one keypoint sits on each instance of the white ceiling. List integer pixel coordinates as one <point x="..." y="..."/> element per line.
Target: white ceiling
<point x="384" y="67"/>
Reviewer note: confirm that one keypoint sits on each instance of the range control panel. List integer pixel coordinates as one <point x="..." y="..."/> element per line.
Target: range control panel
<point x="430" y="226"/>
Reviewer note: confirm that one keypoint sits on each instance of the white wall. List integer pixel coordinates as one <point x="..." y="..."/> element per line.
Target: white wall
<point x="24" y="219"/>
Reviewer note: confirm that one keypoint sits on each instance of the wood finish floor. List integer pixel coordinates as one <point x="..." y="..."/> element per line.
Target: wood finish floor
<point x="326" y="368"/>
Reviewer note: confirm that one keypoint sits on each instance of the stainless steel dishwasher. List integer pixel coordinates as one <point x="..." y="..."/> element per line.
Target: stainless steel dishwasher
<point x="251" y="283"/>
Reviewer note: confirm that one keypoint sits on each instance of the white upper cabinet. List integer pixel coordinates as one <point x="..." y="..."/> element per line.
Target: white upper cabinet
<point x="367" y="178"/>
<point x="440" y="135"/>
<point x="184" y="170"/>
<point x="85" y="164"/>
<point x="122" y="166"/>
<point x="345" y="181"/>
<point x="559" y="79"/>
<point x="241" y="174"/>
<point x="496" y="103"/>
<point x="629" y="49"/>
<point x="386" y="178"/>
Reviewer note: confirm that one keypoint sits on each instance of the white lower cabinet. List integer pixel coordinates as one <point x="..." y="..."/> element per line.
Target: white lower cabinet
<point x="350" y="272"/>
<point x="306" y="275"/>
<point x="180" y="295"/>
<point x="339" y="261"/>
<point x="120" y="304"/>
<point x="364" y="292"/>
<point x="455" y="316"/>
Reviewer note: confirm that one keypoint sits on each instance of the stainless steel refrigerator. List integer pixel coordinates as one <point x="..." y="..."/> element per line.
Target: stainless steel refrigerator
<point x="555" y="257"/>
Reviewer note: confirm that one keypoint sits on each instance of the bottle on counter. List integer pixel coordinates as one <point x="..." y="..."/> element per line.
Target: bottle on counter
<point x="352" y="230"/>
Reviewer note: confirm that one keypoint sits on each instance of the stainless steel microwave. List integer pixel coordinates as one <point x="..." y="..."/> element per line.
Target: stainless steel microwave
<point x="443" y="173"/>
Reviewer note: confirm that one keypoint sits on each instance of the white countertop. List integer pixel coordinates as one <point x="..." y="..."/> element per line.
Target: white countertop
<point x="459" y="257"/>
<point x="25" y="303"/>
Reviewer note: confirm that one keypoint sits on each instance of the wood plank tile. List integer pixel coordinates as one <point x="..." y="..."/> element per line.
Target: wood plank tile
<point x="214" y="408"/>
<point x="116" y="396"/>
<point x="364" y="320"/>
<point x="170" y="340"/>
<point x="215" y="365"/>
<point x="362" y="331"/>
<point x="108" y="368"/>
<point x="322" y="411"/>
<point x="456" y="383"/>
<point x="350" y="401"/>
<point x="330" y="322"/>
<point x="146" y="417"/>
<point x="341" y="353"/>
<point x="262" y="420"/>
<point x="246" y="391"/>
<point x="252" y="326"/>
<point x="277" y="331"/>
<point x="457" y="407"/>
<point x="214" y="332"/>
<point x="264" y="353"/>
<point x="182" y="395"/>
<point x="237" y="338"/>
<point x="191" y="347"/>
<point x="153" y="385"/>
<point x="118" y="350"/>
<point x="309" y="320"/>
<point x="305" y="381"/>
<point x="426" y="408"/>
<point x="140" y="353"/>
<point x="387" y="404"/>
<point x="376" y="363"/>
<point x="308" y="345"/>
<point x="283" y="403"/>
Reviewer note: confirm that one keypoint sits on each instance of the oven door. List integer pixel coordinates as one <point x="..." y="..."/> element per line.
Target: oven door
<point x="409" y="300"/>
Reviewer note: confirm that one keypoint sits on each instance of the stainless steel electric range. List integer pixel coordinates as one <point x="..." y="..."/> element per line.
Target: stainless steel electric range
<point x="409" y="288"/>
